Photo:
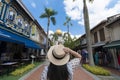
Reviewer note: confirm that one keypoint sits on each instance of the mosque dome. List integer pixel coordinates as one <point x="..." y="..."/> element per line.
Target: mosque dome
<point x="58" y="32"/>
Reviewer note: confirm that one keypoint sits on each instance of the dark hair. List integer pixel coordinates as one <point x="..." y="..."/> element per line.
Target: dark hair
<point x="57" y="72"/>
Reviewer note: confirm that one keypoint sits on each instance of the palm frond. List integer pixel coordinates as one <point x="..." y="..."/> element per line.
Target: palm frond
<point x="65" y="24"/>
<point x="44" y="15"/>
<point x="53" y="13"/>
<point x="68" y="21"/>
<point x="50" y="12"/>
<point x="53" y="20"/>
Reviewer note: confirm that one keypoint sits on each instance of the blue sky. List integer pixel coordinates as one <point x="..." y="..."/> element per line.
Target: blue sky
<point x="98" y="11"/>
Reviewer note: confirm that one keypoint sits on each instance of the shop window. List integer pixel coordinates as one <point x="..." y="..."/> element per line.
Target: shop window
<point x="20" y="22"/>
<point x="26" y="27"/>
<point x="102" y="35"/>
<point x="11" y="15"/>
<point x="95" y="37"/>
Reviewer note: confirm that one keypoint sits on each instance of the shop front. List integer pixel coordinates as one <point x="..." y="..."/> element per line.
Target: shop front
<point x="15" y="46"/>
<point x="114" y="49"/>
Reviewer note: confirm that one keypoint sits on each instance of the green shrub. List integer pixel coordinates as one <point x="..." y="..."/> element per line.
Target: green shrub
<point x="96" y="70"/>
<point x="22" y="70"/>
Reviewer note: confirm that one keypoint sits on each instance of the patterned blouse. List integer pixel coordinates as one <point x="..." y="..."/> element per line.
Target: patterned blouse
<point x="71" y="66"/>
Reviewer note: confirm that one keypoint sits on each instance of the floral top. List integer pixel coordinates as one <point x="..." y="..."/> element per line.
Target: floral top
<point x="71" y="66"/>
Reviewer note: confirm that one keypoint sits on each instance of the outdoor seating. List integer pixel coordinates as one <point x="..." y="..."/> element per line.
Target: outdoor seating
<point x="25" y="61"/>
<point x="14" y="66"/>
<point x="8" y="66"/>
<point x="40" y="58"/>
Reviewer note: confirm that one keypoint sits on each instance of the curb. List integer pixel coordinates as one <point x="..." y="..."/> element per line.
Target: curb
<point x="116" y="76"/>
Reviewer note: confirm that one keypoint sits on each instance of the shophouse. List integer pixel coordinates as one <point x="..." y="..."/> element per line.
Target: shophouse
<point x="20" y="34"/>
<point x="105" y="39"/>
<point x="113" y="45"/>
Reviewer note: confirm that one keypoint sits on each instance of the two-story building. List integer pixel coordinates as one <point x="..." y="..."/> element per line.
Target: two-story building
<point x="105" y="40"/>
<point x="113" y="45"/>
<point x="20" y="34"/>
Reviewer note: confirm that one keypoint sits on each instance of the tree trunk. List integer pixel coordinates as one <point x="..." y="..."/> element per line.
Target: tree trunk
<point x="47" y="34"/>
<point x="88" y="36"/>
<point x="68" y="31"/>
<point x="68" y="28"/>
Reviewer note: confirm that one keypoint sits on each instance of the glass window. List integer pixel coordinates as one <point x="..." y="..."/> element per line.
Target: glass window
<point x="11" y="15"/>
<point x="19" y="22"/>
<point x="102" y="35"/>
<point x="26" y="27"/>
<point x="95" y="37"/>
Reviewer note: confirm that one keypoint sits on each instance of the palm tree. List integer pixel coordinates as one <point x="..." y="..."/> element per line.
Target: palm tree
<point x="87" y="29"/>
<point x="68" y="23"/>
<point x="49" y="14"/>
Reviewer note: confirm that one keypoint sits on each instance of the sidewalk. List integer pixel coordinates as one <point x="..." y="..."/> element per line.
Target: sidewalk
<point x="79" y="74"/>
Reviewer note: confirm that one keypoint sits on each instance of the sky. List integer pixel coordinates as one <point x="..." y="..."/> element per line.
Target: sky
<point x="98" y="10"/>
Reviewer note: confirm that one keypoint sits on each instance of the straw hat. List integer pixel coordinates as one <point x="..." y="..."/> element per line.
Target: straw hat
<point x="57" y="56"/>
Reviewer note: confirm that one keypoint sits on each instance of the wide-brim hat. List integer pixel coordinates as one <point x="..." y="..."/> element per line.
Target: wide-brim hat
<point x="57" y="56"/>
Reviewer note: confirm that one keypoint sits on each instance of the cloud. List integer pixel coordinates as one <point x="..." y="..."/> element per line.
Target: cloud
<point x="46" y="2"/>
<point x="50" y="32"/>
<point x="73" y="9"/>
<point x="98" y="10"/>
<point x="77" y="36"/>
<point x="33" y="5"/>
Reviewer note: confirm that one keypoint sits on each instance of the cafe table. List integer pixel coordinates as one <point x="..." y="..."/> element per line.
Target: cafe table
<point x="8" y="65"/>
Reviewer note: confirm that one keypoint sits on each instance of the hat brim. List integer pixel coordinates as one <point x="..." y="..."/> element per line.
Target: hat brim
<point x="55" y="61"/>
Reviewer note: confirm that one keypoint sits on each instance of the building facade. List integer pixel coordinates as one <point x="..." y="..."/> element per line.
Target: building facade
<point x="105" y="40"/>
<point x="20" y="34"/>
<point x="113" y="45"/>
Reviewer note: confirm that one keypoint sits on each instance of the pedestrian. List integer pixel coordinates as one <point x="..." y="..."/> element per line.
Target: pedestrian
<point x="119" y="61"/>
<point x="96" y="58"/>
<point x="100" y="57"/>
<point x="60" y="68"/>
<point x="83" y="53"/>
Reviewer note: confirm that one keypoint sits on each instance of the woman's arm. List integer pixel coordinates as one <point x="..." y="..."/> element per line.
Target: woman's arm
<point x="68" y="50"/>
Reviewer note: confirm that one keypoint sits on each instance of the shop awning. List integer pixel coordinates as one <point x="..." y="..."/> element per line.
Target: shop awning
<point x="9" y="37"/>
<point x="14" y="38"/>
<point x="31" y="44"/>
<point x="99" y="44"/>
<point x="114" y="44"/>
